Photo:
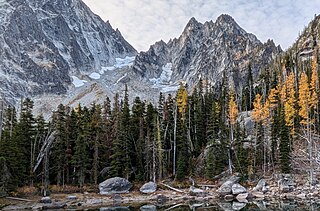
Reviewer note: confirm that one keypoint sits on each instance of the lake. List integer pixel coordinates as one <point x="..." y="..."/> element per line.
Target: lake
<point x="287" y="205"/>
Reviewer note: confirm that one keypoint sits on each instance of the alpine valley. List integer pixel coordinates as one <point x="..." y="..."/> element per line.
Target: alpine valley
<point x="82" y="110"/>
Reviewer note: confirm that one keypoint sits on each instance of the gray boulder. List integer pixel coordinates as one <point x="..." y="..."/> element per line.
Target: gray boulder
<point x="237" y="189"/>
<point x="46" y="200"/>
<point x="114" y="185"/>
<point x="286" y="184"/>
<point x="149" y="187"/>
<point x="226" y="187"/>
<point x="261" y="184"/>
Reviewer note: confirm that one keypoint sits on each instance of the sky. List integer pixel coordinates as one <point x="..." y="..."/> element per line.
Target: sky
<point x="143" y="22"/>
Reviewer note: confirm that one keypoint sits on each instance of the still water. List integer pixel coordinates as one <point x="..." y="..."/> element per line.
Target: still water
<point x="217" y="206"/>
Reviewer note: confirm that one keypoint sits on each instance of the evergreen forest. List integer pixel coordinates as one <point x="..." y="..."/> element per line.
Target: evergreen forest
<point x="269" y="125"/>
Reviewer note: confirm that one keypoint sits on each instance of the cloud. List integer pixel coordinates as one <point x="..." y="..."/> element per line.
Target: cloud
<point x="143" y="22"/>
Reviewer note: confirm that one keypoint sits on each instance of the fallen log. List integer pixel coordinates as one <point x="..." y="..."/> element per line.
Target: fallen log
<point x="172" y="188"/>
<point x="174" y="206"/>
<point x="18" y="199"/>
<point x="209" y="186"/>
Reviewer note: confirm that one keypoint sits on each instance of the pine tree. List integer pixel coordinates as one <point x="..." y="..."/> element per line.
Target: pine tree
<point x="96" y="137"/>
<point x="137" y="128"/>
<point x="116" y="166"/>
<point x="60" y="144"/>
<point x="284" y="148"/>
<point x="26" y="138"/>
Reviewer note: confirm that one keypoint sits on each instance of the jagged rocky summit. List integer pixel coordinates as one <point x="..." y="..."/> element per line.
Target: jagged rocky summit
<point x="44" y="42"/>
<point x="210" y="51"/>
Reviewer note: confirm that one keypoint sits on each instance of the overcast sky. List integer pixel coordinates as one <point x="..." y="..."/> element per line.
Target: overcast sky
<point x="143" y="22"/>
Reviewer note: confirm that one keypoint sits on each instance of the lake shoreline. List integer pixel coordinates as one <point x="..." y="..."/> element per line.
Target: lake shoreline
<point x="165" y="198"/>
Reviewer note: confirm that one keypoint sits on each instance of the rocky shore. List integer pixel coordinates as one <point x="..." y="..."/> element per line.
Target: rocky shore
<point x="228" y="195"/>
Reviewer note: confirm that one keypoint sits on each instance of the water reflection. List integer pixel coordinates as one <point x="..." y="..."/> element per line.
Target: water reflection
<point x="222" y="206"/>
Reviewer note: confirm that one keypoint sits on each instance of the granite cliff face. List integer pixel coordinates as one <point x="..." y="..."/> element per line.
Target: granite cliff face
<point x="44" y="42"/>
<point x="207" y="51"/>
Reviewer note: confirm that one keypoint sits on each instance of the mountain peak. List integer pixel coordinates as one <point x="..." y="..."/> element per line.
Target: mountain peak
<point x="192" y="22"/>
<point x="225" y="18"/>
<point x="192" y="25"/>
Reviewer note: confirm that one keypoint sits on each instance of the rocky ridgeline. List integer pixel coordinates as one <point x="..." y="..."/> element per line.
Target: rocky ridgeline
<point x="210" y="51"/>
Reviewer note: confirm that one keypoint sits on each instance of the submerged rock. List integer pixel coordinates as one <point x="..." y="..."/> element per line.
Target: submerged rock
<point x="149" y="187"/>
<point x="242" y="197"/>
<point x="148" y="208"/>
<point x="114" y="185"/>
<point x="238" y="205"/>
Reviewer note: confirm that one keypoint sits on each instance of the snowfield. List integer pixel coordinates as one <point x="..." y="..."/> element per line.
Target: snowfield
<point x="78" y="82"/>
<point x="95" y="76"/>
<point x="120" y="63"/>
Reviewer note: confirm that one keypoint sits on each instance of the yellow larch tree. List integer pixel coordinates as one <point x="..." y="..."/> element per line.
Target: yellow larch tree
<point x="257" y="109"/>
<point x="182" y="100"/>
<point x="288" y="100"/>
<point x="272" y="97"/>
<point x="314" y="83"/>
<point x="233" y="110"/>
<point x="304" y="99"/>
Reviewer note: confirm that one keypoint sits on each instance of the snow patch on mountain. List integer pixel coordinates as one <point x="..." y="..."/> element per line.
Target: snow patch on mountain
<point x="125" y="75"/>
<point x="127" y="61"/>
<point x="120" y="63"/>
<point x="165" y="76"/>
<point x="95" y="76"/>
<point x="77" y="82"/>
<point x="170" y="89"/>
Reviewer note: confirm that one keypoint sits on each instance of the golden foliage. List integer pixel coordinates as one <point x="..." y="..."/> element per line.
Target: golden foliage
<point x="272" y="98"/>
<point x="257" y="109"/>
<point x="182" y="99"/>
<point x="261" y="112"/>
<point x="314" y="83"/>
<point x="304" y="99"/>
<point x="233" y="110"/>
